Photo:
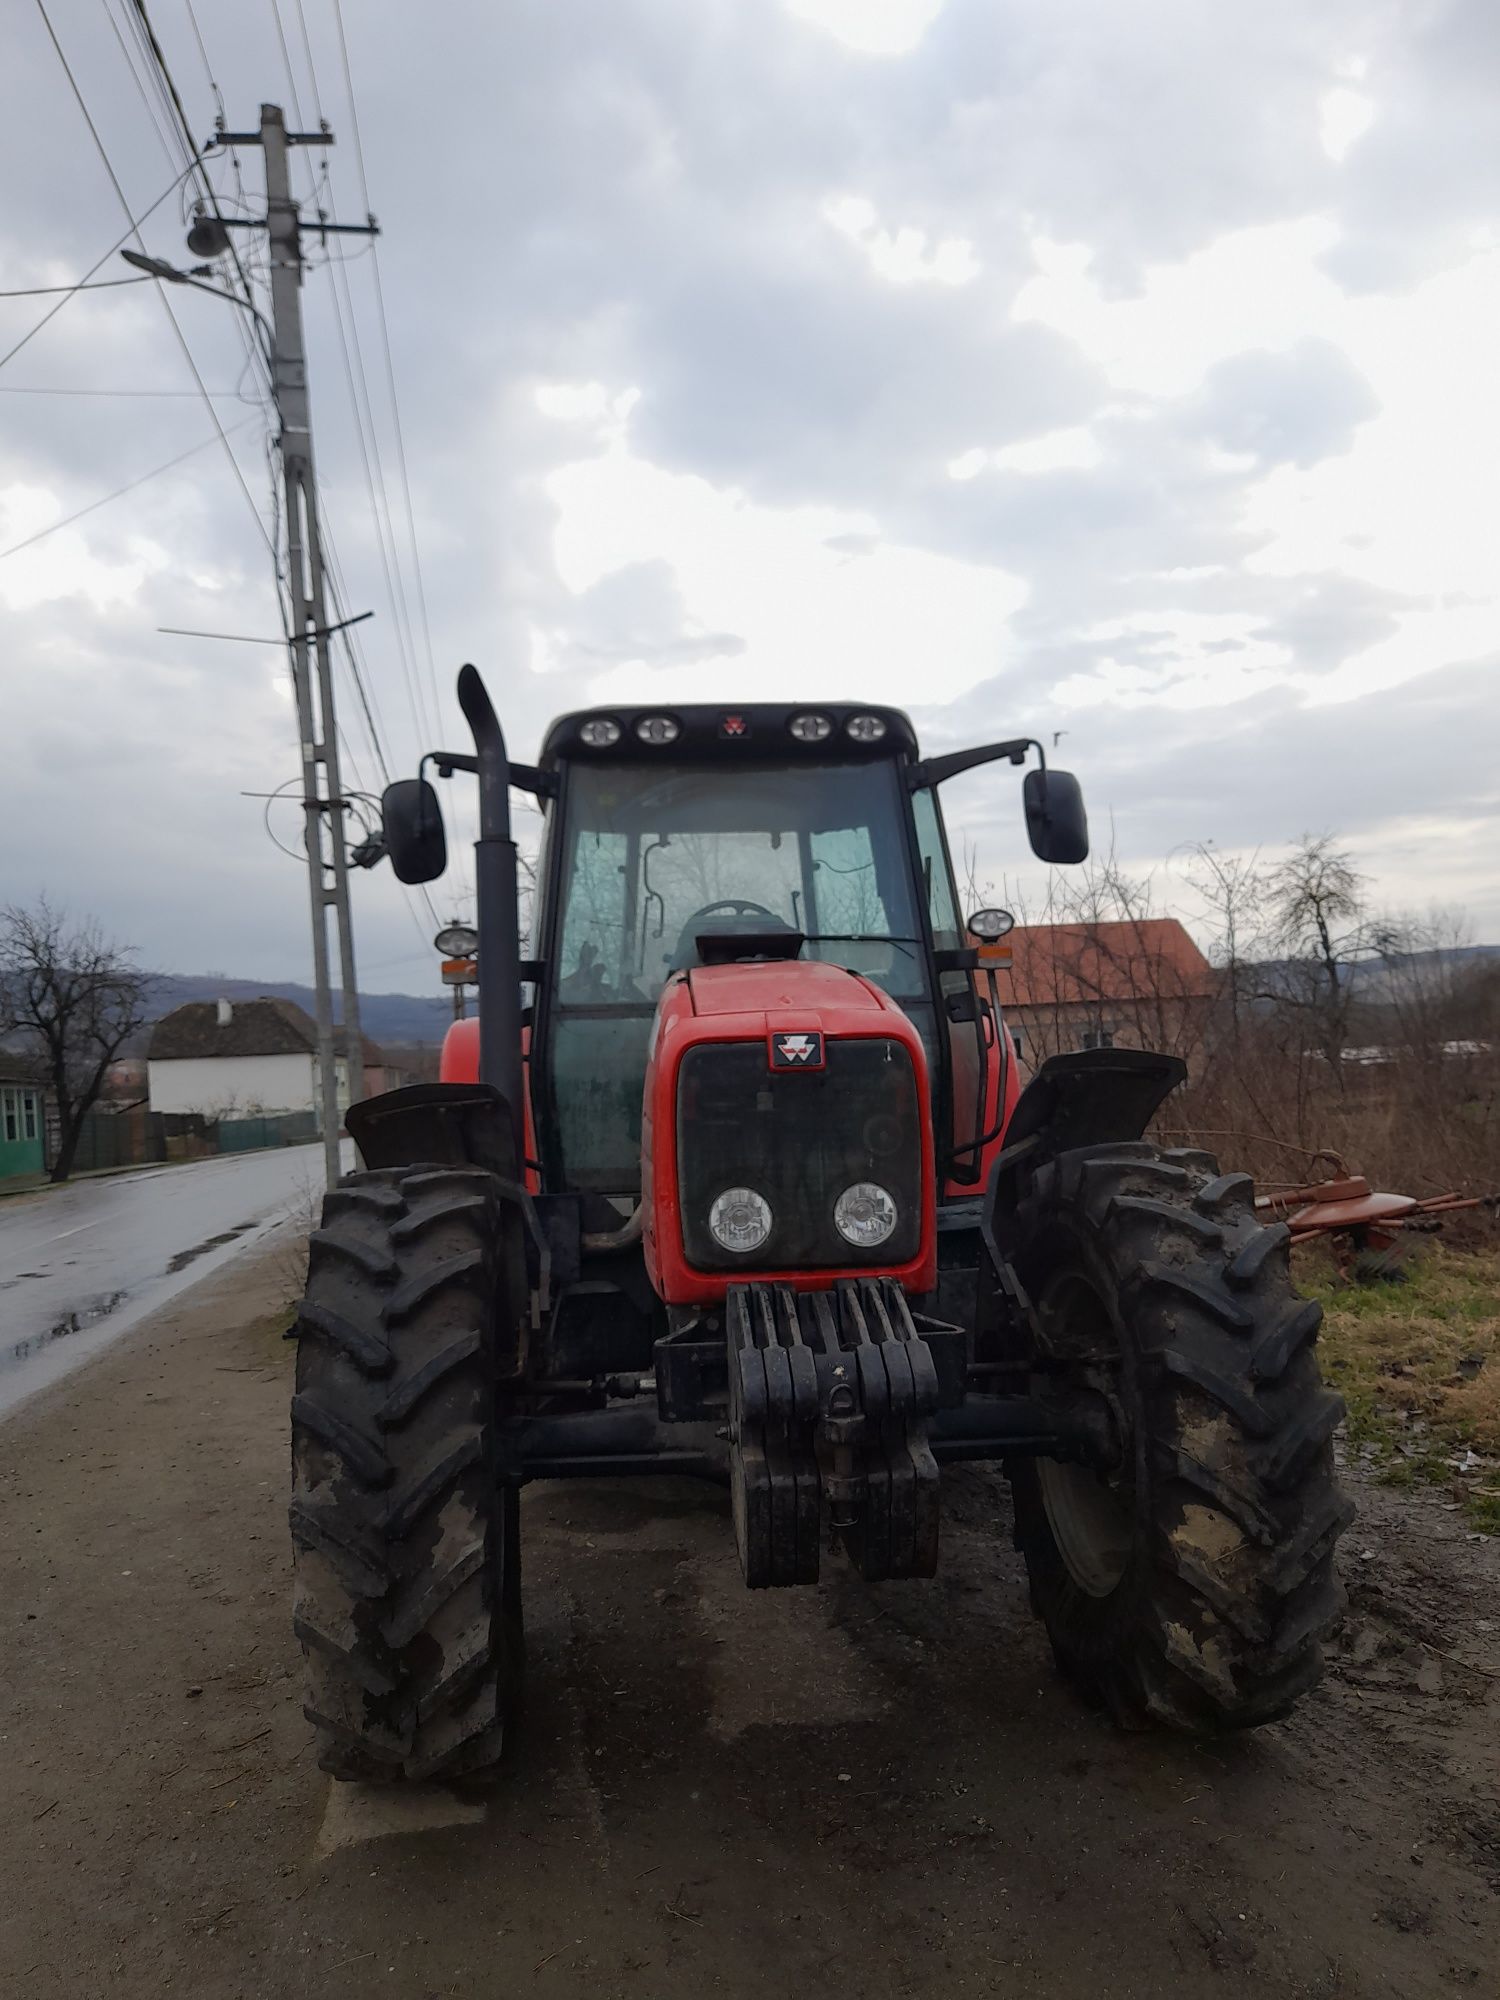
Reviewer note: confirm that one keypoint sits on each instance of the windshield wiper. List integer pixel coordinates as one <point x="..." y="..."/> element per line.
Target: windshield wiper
<point x="913" y="945"/>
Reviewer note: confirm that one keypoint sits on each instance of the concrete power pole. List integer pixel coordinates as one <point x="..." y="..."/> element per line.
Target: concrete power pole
<point x="324" y="804"/>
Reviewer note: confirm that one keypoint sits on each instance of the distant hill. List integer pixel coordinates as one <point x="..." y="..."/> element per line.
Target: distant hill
<point x="1376" y="981"/>
<point x="398" y="1018"/>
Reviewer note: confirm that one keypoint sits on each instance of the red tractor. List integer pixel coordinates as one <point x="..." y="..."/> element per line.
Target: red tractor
<point x="734" y="1179"/>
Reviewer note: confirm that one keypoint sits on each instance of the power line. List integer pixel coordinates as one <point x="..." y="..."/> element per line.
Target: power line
<point x="120" y="491"/>
<point x="83" y="285"/>
<point x="367" y="437"/>
<point x="380" y="507"/>
<point x="143" y="40"/>
<point x="369" y="702"/>
<point x="151" y="112"/>
<point x="188" y="395"/>
<point x="359" y="149"/>
<point x="174" y="97"/>
<point x="208" y="68"/>
<point x="134" y="230"/>
<point x="411" y="517"/>
<point x="286" y="58"/>
<point x="364" y="185"/>
<point x="312" y="72"/>
<point x="161" y="294"/>
<point x="357" y="674"/>
<point x="367" y="433"/>
<point x="366" y="427"/>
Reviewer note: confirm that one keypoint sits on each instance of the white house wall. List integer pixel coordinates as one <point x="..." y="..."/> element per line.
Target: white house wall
<point x="226" y="1086"/>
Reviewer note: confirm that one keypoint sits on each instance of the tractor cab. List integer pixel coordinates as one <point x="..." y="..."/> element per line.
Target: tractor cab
<point x="674" y="840"/>
<point x="704" y="837"/>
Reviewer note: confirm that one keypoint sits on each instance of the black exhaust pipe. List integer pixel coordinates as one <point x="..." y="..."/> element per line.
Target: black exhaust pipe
<point x="498" y="908"/>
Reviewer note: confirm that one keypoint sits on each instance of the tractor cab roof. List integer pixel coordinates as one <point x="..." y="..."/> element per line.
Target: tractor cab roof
<point x="775" y="732"/>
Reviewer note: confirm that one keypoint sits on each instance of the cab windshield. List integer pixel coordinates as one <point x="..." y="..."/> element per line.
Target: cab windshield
<point x="656" y="859"/>
<point x="651" y="860"/>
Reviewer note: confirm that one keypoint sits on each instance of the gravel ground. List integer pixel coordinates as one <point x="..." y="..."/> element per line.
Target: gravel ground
<point x="844" y="1790"/>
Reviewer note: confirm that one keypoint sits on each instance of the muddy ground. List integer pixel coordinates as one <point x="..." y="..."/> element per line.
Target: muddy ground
<point x="839" y="1791"/>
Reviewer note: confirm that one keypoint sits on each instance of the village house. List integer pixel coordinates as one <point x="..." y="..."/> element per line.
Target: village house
<point x="221" y="1059"/>
<point x="1134" y="984"/>
<point x="23" y="1119"/>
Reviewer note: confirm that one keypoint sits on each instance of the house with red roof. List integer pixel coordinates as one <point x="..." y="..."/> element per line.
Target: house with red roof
<point x="1138" y="984"/>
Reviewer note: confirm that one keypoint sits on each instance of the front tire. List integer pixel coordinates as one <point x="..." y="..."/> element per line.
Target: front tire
<point x="1192" y="1585"/>
<point x="406" y="1548"/>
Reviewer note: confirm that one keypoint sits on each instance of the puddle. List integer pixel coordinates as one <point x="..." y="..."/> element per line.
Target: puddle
<point x="77" y="1321"/>
<point x="185" y="1257"/>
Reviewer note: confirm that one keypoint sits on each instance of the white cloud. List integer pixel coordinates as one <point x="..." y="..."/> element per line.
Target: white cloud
<point x="61" y="566"/>
<point x="905" y="256"/>
<point x="1191" y="661"/>
<point x="874" y="27"/>
<point x="1410" y="506"/>
<point x="820" y="605"/>
<point x="1260" y="287"/>
<point x="1344" y="117"/>
<point x="572" y="402"/>
<point x="1072" y="450"/>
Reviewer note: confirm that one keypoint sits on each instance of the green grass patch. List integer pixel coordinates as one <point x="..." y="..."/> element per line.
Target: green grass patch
<point x="1418" y="1362"/>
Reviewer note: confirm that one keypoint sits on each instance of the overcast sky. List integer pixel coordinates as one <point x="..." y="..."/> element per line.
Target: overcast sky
<point x="1125" y="370"/>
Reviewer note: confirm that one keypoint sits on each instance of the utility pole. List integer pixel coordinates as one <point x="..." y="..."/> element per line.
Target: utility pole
<point x="323" y="800"/>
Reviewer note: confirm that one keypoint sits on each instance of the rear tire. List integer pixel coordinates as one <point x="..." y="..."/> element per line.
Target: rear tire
<point x="1193" y="1586"/>
<point x="406" y="1548"/>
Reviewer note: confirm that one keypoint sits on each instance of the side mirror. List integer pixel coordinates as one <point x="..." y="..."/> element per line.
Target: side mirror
<point x="414" y="836"/>
<point x="1056" y="822"/>
<point x="991" y="925"/>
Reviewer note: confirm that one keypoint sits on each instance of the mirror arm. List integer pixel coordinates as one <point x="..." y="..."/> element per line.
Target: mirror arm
<point x="934" y="770"/>
<point x="525" y="777"/>
<point x="540" y="784"/>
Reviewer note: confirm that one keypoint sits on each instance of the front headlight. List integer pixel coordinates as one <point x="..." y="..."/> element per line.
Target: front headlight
<point x="865" y="1215"/>
<point x="740" y="1219"/>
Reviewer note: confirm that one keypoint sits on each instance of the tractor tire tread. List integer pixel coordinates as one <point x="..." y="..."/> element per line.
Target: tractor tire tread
<point x="1230" y="1585"/>
<point x="399" y="1526"/>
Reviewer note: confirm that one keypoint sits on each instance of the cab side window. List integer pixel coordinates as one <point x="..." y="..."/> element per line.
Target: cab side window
<point x="947" y="932"/>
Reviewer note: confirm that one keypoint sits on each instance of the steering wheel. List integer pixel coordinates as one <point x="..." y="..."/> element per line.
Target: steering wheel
<point x="735" y="906"/>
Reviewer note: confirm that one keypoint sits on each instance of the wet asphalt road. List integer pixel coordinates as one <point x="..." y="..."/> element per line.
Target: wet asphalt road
<point x="81" y="1264"/>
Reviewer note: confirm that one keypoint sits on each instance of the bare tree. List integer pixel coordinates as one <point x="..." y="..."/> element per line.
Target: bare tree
<point x="1322" y="923"/>
<point x="1234" y="892"/>
<point x="76" y="999"/>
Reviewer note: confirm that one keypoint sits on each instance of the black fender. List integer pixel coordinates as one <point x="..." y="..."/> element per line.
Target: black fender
<point x="450" y="1124"/>
<point x="1090" y="1097"/>
<point x="458" y="1125"/>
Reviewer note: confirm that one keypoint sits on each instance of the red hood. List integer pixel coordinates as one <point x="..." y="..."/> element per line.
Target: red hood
<point x="782" y="986"/>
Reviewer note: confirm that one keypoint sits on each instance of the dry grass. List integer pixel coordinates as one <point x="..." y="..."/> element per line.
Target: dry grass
<point x="291" y="1244"/>
<point x="1418" y="1362"/>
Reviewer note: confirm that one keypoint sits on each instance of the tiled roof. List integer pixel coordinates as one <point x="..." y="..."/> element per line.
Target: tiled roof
<point x="264" y="1027"/>
<point x="1061" y="965"/>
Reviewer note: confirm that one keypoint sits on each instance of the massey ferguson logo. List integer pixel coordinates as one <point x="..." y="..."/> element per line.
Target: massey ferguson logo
<point x="796" y="1051"/>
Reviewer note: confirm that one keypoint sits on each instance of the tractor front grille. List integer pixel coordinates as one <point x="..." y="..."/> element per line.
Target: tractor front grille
<point x="799" y="1139"/>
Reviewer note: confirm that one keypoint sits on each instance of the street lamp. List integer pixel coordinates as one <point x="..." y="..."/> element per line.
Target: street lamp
<point x="158" y="267"/>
